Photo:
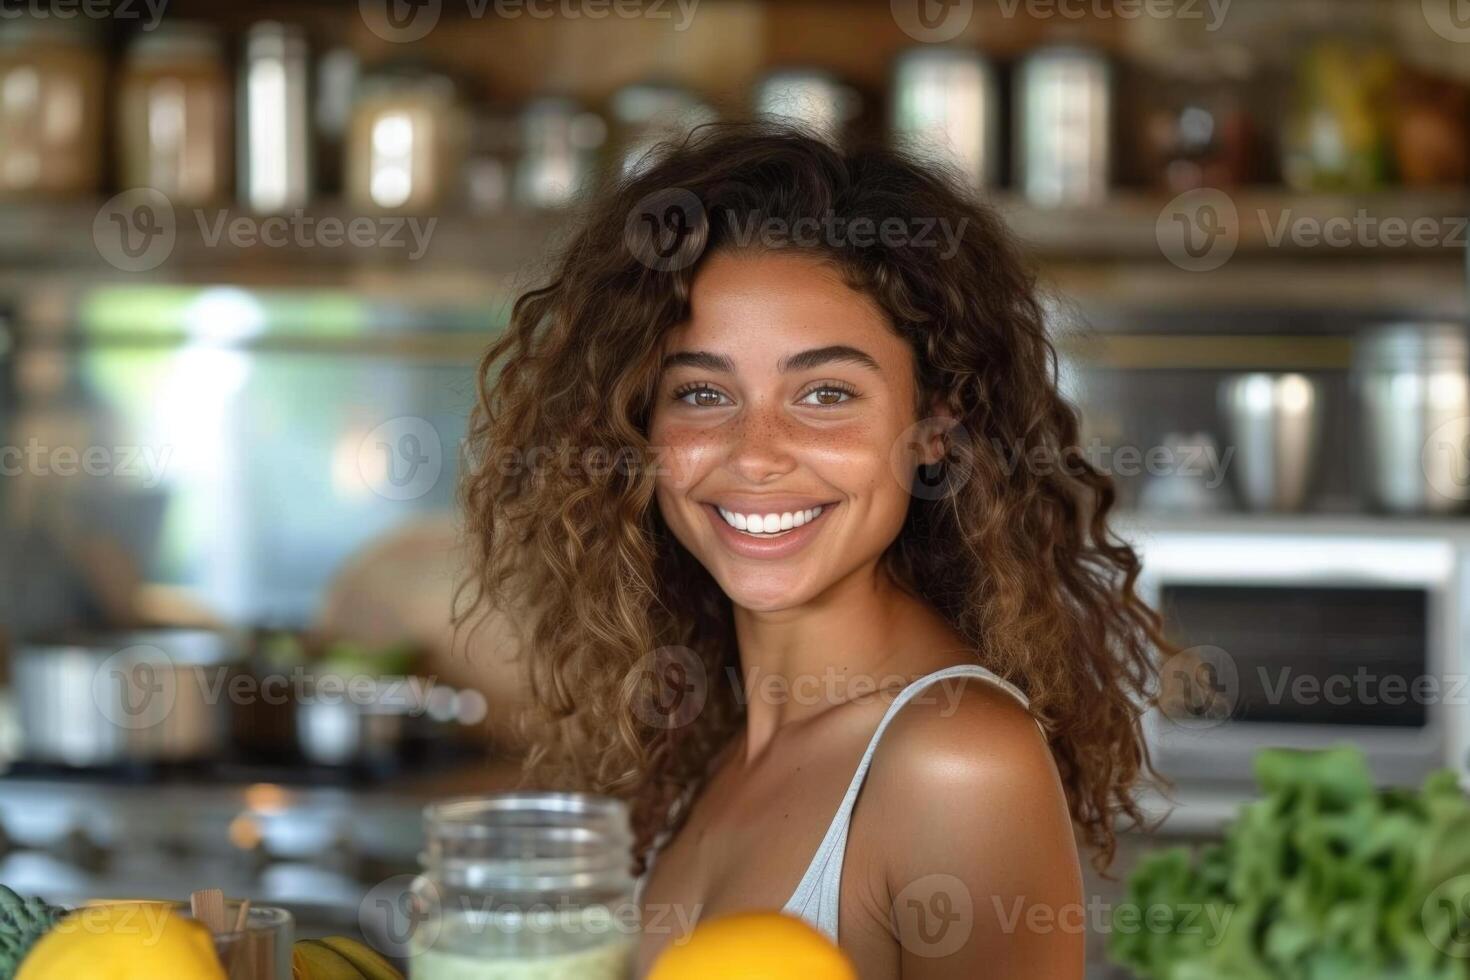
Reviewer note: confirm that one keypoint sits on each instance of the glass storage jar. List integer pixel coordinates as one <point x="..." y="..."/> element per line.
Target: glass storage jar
<point x="405" y="142"/>
<point x="174" y="119"/>
<point x="52" y="78"/>
<point x="524" y="886"/>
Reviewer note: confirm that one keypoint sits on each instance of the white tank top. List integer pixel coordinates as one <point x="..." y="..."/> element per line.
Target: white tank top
<point x="816" y="896"/>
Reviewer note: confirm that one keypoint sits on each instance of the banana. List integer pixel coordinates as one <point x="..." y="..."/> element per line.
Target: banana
<point x="367" y="960"/>
<point x="310" y="960"/>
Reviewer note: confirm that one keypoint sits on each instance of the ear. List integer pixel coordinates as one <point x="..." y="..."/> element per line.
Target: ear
<point x="937" y="421"/>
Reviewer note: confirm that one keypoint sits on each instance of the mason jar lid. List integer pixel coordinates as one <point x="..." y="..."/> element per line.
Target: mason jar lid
<point x="1412" y="346"/>
<point x="529" y="843"/>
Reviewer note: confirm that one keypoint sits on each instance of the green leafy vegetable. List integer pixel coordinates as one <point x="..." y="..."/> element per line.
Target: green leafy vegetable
<point x="1322" y="878"/>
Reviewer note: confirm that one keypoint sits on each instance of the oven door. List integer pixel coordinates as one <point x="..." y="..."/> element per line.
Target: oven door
<point x="1303" y="642"/>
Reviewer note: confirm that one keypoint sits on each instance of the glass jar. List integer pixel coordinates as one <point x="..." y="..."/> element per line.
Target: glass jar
<point x="406" y="140"/>
<point x="174" y="114"/>
<point x="51" y="89"/>
<point x="525" y="886"/>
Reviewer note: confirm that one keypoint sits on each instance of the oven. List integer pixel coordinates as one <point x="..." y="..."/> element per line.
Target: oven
<point x="1309" y="634"/>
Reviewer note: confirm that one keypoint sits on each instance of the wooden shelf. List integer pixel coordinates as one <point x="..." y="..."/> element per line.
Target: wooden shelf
<point x="1114" y="249"/>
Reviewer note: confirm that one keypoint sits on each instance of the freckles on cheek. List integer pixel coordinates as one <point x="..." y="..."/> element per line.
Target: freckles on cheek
<point x="684" y="453"/>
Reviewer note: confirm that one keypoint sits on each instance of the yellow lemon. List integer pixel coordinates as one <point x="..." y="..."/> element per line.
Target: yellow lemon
<point x="125" y="941"/>
<point x="754" y="946"/>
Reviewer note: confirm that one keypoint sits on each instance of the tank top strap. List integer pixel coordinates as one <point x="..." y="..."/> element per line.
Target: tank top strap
<point x="816" y="896"/>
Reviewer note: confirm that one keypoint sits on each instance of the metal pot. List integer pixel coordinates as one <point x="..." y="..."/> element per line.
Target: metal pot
<point x="1274" y="422"/>
<point x="364" y="721"/>
<point x="154" y="696"/>
<point x="1413" y="384"/>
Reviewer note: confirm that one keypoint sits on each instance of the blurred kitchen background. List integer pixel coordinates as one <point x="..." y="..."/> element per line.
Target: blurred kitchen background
<point x="249" y="254"/>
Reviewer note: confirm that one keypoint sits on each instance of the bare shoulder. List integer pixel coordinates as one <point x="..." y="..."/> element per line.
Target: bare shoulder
<point x="967" y="732"/>
<point x="966" y="801"/>
<point x="965" y="775"/>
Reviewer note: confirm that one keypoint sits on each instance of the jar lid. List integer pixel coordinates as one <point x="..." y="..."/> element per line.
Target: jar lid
<point x="1412" y="346"/>
<point x="530" y="842"/>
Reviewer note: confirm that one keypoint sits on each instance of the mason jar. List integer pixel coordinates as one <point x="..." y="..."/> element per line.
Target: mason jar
<point x="524" y="886"/>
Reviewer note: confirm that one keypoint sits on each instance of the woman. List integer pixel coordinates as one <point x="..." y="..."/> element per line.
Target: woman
<point x="820" y="580"/>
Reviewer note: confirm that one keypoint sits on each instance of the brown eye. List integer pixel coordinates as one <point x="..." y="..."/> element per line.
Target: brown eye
<point x="827" y="395"/>
<point x="700" y="396"/>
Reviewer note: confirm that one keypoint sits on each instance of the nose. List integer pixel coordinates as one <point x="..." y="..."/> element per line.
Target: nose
<point x="761" y="444"/>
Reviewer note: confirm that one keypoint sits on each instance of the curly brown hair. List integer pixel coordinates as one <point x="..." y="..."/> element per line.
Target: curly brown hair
<point x="1018" y="558"/>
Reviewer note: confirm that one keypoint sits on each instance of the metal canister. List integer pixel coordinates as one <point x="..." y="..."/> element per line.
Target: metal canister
<point x="1413" y="385"/>
<point x="946" y="108"/>
<point x="1274" y="423"/>
<point x="274" y="151"/>
<point x="1064" y="113"/>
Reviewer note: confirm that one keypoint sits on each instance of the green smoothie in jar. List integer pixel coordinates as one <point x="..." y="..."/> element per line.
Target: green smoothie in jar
<point x="525" y="886"/>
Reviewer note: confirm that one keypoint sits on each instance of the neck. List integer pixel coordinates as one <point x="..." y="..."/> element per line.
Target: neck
<point x="858" y="635"/>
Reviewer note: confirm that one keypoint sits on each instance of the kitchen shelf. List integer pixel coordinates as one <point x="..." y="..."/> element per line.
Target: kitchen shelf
<point x="45" y="235"/>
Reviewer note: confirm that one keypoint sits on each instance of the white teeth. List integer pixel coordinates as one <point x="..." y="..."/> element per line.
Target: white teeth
<point x="769" y="523"/>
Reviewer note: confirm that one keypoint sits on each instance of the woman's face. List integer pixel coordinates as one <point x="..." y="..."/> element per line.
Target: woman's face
<point x="784" y="425"/>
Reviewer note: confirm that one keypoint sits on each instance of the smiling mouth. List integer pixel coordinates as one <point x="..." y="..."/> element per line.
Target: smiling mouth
<point x="770" y="525"/>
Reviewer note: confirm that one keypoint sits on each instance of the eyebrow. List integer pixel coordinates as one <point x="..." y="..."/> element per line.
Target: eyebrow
<point x="804" y="361"/>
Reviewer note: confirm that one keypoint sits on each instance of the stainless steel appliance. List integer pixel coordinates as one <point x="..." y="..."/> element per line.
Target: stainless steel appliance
<point x="1304" y="634"/>
<point x="1274" y="421"/>
<point x="1413" y="384"/>
<point x="157" y="696"/>
<point x="946" y="107"/>
<point x="1064" y="118"/>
